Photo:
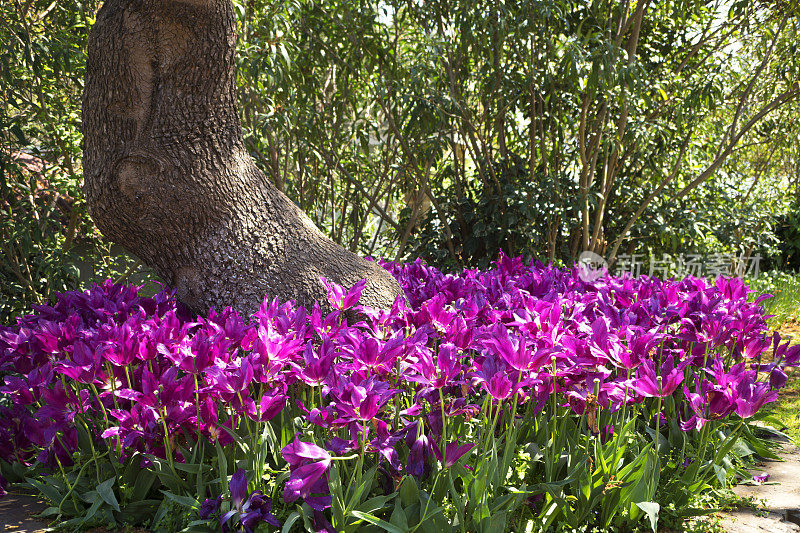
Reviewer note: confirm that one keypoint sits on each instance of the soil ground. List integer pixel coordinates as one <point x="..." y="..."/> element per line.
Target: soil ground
<point x="16" y="511"/>
<point x="778" y="504"/>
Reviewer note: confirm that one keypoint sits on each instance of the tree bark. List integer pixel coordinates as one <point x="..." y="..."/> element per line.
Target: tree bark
<point x="167" y="175"/>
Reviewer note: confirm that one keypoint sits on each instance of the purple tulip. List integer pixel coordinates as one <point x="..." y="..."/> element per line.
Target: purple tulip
<point x="499" y="386"/>
<point x="252" y="508"/>
<point x="751" y="396"/>
<point x="647" y="384"/>
<point x="448" y="365"/>
<point x="271" y="404"/>
<point x="606" y="434"/>
<point x="308" y="464"/>
<point x="452" y="453"/>
<point x="360" y="399"/>
<point x="788" y="355"/>
<point x="238" y="488"/>
<point x="83" y="365"/>
<point x="418" y="464"/>
<point x="258" y="509"/>
<point x="316" y="367"/>
<point x="710" y="403"/>
<point x="777" y="376"/>
<point x="340" y="298"/>
<point x="210" y="507"/>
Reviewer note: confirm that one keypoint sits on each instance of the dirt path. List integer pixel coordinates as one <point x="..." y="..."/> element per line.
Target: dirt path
<point x="16" y="511"/>
<point x="779" y="504"/>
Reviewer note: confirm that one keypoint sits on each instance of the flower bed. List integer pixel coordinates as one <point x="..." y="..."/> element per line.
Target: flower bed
<point x="519" y="398"/>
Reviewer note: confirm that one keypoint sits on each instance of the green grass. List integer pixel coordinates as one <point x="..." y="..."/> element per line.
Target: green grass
<point x="784" y="307"/>
<point x="787" y="408"/>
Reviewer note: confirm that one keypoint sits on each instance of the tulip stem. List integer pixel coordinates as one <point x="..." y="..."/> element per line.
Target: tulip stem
<point x="658" y="410"/>
<point x="167" y="445"/>
<point x="444" y="420"/>
<point x="554" y="416"/>
<point x="91" y="445"/>
<point x="360" y="464"/>
<point x="71" y="488"/>
<point x="397" y="397"/>
<point x="333" y="458"/>
<point x="63" y="473"/>
<point x="105" y="414"/>
<point x="427" y="503"/>
<point x="702" y="452"/>
<point x="490" y="432"/>
<point x="484" y="468"/>
<point x="622" y="424"/>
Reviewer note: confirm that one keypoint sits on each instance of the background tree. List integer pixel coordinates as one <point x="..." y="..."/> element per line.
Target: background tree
<point x="450" y="130"/>
<point x="167" y="175"/>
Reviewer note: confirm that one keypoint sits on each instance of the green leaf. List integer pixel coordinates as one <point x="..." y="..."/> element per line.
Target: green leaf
<point x="398" y="517"/>
<point x="191" y="468"/>
<point x="143" y="484"/>
<point x="161" y="513"/>
<point x="186" y="501"/>
<point x="90" y="496"/>
<point x="355" y="499"/>
<point x="374" y="504"/>
<point x="651" y="509"/>
<point x="549" y="515"/>
<point x="287" y="525"/>
<point x="337" y="495"/>
<point x="378" y="522"/>
<point x="92" y="510"/>
<point x="498" y="521"/>
<point x="501" y="502"/>
<point x="135" y="511"/>
<point x="481" y="512"/>
<point x="50" y="511"/>
<point x="17" y="131"/>
<point x="48" y="491"/>
<point x="455" y="495"/>
<point x="198" y="526"/>
<point x="106" y="491"/>
<point x="722" y="475"/>
<point x="409" y="492"/>
<point x="222" y="467"/>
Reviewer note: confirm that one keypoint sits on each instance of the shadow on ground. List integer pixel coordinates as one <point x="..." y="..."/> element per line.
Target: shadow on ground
<point x="779" y="503"/>
<point x="16" y="511"/>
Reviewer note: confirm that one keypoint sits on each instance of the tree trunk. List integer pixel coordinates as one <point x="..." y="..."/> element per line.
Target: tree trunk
<point x="167" y="175"/>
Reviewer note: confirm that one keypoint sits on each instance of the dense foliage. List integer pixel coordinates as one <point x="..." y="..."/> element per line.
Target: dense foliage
<point x="448" y="130"/>
<point x="48" y="243"/>
<point x="782" y="309"/>
<point x="521" y="397"/>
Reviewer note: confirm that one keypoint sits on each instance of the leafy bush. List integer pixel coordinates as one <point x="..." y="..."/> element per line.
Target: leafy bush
<point x="784" y="287"/>
<point x="517" y="215"/>
<point x="519" y="397"/>
<point x="36" y="230"/>
<point x="47" y="242"/>
<point x="789" y="234"/>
